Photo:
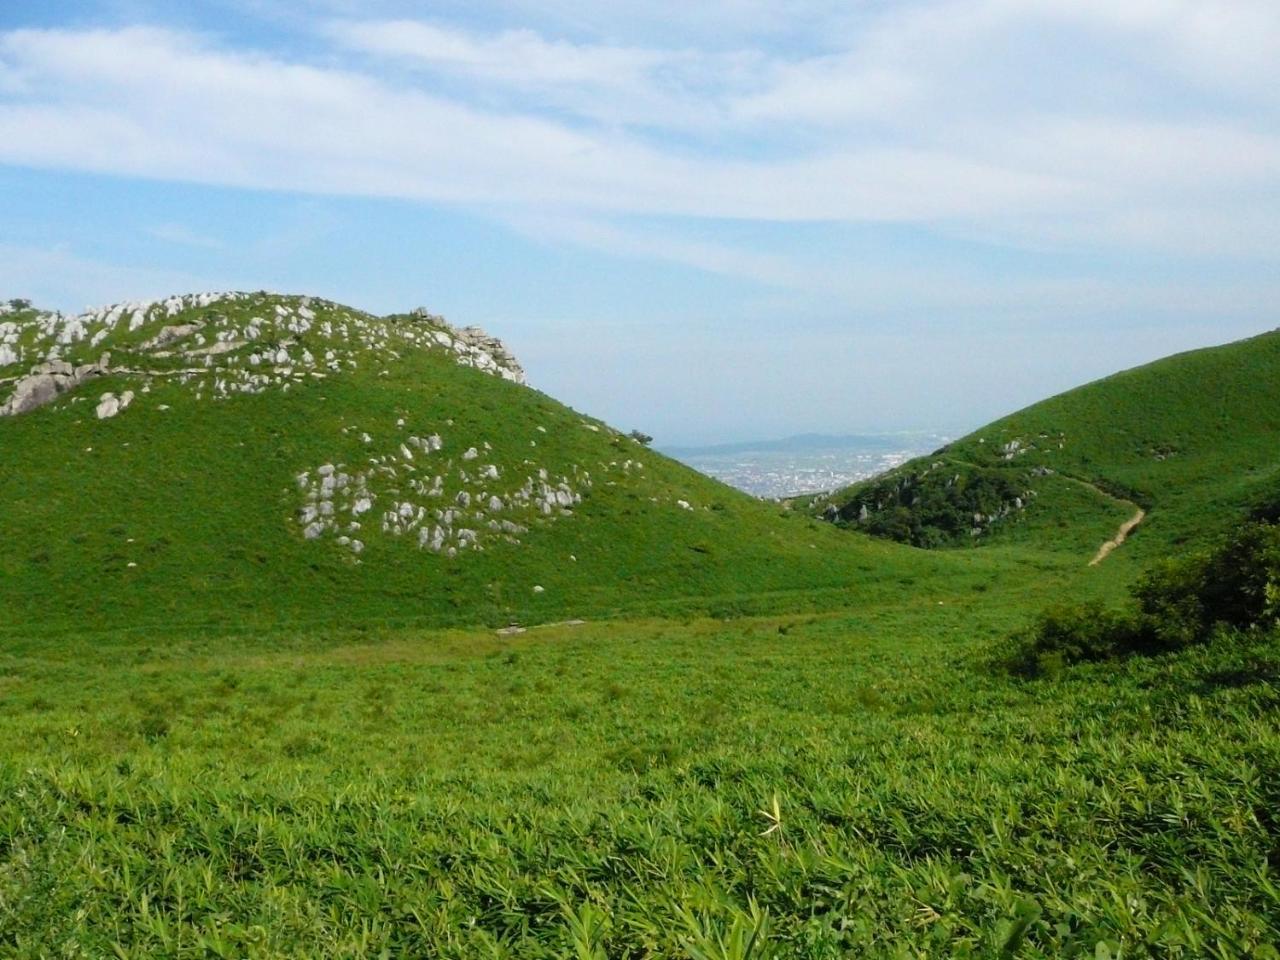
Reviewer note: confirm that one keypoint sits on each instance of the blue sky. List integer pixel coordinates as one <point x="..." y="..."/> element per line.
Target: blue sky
<point x="716" y="221"/>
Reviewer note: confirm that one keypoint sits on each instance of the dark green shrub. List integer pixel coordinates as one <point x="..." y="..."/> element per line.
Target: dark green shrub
<point x="1266" y="507"/>
<point x="1235" y="585"/>
<point x="1069" y="634"/>
<point x="942" y="505"/>
<point x="1169" y="600"/>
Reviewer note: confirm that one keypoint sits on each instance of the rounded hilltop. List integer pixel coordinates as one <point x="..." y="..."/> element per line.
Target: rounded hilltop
<point x="220" y="344"/>
<point x="250" y="457"/>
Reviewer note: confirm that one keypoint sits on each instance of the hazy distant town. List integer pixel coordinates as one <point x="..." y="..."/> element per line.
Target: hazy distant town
<point x="805" y="464"/>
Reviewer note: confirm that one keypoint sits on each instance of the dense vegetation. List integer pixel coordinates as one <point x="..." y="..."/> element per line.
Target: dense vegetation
<point x="773" y="738"/>
<point x="850" y="784"/>
<point x="939" y="505"/>
<point x="1233" y="586"/>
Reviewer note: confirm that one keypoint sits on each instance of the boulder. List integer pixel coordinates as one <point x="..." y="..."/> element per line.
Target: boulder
<point x="110" y="404"/>
<point x="46" y="381"/>
<point x="32" y="392"/>
<point x="170" y="334"/>
<point x="57" y="368"/>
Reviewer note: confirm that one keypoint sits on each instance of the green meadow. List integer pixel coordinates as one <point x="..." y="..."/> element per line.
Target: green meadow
<point x="850" y="784"/>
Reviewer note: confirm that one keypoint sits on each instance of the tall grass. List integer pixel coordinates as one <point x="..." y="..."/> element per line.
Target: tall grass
<point x="809" y="787"/>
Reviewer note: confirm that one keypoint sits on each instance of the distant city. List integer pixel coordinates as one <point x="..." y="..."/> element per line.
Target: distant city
<point x="805" y="464"/>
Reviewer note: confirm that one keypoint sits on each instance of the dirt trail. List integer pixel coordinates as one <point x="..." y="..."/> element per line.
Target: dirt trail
<point x="1122" y="534"/>
<point x="1126" y="528"/>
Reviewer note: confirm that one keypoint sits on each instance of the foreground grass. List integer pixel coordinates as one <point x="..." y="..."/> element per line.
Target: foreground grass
<point x="813" y="786"/>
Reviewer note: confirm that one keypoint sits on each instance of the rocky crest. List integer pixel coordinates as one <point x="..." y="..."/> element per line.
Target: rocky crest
<point x="220" y="345"/>
<point x="413" y="480"/>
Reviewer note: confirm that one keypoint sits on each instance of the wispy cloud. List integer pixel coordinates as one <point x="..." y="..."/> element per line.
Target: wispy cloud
<point x="153" y="103"/>
<point x="511" y="56"/>
<point x="611" y="84"/>
<point x="1149" y="127"/>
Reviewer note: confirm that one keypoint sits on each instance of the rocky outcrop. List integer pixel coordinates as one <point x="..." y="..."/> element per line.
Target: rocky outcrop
<point x="479" y="345"/>
<point x="448" y="505"/>
<point x="474" y="347"/>
<point x="47" y="381"/>
<point x="171" y="334"/>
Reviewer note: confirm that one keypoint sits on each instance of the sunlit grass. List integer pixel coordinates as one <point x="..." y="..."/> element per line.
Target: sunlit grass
<point x="810" y="786"/>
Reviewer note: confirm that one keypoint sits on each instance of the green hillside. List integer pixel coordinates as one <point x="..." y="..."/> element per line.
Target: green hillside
<point x="289" y="461"/>
<point x="1190" y="439"/>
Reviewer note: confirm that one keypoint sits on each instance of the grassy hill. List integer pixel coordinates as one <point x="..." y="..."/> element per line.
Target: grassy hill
<point x="290" y="461"/>
<point x="1190" y="438"/>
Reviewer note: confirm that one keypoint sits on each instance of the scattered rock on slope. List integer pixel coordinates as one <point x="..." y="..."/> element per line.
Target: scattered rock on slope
<point x="239" y="343"/>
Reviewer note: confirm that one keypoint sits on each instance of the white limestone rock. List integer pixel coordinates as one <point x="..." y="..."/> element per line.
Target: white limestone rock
<point x="109" y="405"/>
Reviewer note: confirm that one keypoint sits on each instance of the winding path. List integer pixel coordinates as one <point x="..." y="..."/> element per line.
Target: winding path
<point x="1122" y="534"/>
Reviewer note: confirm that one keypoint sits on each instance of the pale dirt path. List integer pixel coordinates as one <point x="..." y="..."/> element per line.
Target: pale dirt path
<point x="1122" y="534"/>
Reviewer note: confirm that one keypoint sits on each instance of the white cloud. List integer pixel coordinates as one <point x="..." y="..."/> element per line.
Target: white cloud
<point x="152" y="103"/>
<point x="601" y="82"/>
<point x="513" y="56"/>
<point x="1048" y="122"/>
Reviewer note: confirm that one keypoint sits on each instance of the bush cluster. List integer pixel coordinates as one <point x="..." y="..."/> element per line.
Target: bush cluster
<point x="936" y="507"/>
<point x="1233" y="585"/>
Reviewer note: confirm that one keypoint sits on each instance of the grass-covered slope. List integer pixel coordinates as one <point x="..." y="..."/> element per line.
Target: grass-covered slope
<point x="824" y="787"/>
<point x="1191" y="439"/>
<point x="282" y="460"/>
